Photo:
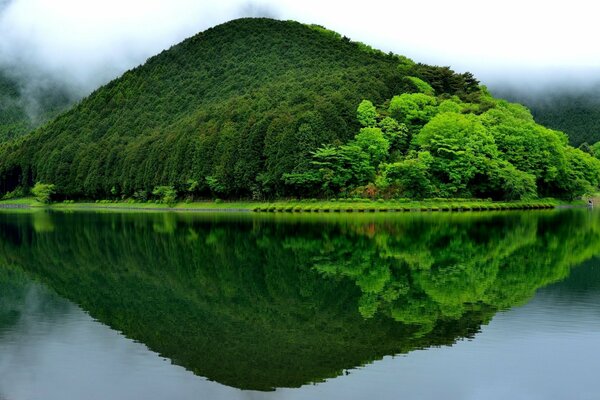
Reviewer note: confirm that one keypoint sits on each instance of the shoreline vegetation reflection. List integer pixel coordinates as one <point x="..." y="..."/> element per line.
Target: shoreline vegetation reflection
<point x="262" y="302"/>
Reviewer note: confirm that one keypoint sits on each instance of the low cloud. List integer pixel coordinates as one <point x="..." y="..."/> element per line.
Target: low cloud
<point x="76" y="46"/>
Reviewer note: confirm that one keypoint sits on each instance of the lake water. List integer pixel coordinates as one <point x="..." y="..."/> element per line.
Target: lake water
<point x="376" y="306"/>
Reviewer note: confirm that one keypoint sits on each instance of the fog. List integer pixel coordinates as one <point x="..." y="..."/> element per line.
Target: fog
<point x="77" y="45"/>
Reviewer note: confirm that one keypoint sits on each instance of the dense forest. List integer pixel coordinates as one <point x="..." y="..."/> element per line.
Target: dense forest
<point x="286" y="301"/>
<point x="576" y="111"/>
<point x="262" y="109"/>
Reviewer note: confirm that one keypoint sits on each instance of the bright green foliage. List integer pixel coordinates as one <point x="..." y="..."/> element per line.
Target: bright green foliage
<point x="15" y="194"/>
<point x="43" y="192"/>
<point x="457" y="151"/>
<point x="413" y="108"/>
<point x="571" y="108"/>
<point x="396" y="134"/>
<point x="450" y="105"/>
<point x="583" y="173"/>
<point x="166" y="194"/>
<point x="409" y="178"/>
<point x="508" y="183"/>
<point x="421" y="86"/>
<point x="461" y="147"/>
<point x="373" y="142"/>
<point x="366" y="114"/>
<point x="405" y="65"/>
<point x="595" y="149"/>
<point x="528" y="146"/>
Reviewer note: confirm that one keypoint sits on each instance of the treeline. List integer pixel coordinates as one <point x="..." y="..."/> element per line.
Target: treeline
<point x="421" y="146"/>
<point x="249" y="109"/>
<point x="232" y="109"/>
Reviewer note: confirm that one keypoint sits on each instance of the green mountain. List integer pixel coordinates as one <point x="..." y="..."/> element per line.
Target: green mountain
<point x="258" y="108"/>
<point x="575" y="112"/>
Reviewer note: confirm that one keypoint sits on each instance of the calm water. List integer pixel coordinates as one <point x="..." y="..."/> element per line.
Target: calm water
<point x="182" y="306"/>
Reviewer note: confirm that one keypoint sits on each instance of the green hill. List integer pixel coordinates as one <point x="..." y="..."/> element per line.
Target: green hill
<point x="258" y="108"/>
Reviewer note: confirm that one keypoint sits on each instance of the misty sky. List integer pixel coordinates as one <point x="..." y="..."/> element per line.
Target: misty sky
<point x="83" y="44"/>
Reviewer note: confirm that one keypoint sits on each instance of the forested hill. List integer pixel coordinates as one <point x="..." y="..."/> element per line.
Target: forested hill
<point x="573" y="111"/>
<point x="22" y="112"/>
<point x="259" y="108"/>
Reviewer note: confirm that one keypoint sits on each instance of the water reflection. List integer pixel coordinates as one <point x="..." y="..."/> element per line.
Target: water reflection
<point x="266" y="302"/>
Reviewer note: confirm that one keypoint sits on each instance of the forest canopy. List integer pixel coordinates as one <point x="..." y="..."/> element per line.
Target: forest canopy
<point x="420" y="146"/>
<point x="263" y="109"/>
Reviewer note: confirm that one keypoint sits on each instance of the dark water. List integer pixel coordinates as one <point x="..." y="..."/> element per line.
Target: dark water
<point x="182" y="306"/>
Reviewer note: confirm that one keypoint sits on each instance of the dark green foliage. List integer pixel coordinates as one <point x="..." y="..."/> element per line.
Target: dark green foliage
<point x="444" y="80"/>
<point x="258" y="108"/>
<point x="233" y="108"/>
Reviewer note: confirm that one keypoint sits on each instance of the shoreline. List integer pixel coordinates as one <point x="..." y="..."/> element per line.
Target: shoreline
<point x="302" y="207"/>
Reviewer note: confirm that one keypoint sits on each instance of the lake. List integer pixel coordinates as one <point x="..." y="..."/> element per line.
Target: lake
<point x="502" y="305"/>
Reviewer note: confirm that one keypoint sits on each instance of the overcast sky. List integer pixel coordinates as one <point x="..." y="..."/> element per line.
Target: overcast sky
<point x="84" y="43"/>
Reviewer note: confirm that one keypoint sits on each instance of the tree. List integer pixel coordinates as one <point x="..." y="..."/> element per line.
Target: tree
<point x="396" y="134"/>
<point x="43" y="192"/>
<point x="460" y="146"/>
<point x="595" y="148"/>
<point x="413" y="108"/>
<point x="166" y="194"/>
<point x="366" y="114"/>
<point x="373" y="142"/>
<point x="410" y="178"/>
<point x="420" y="85"/>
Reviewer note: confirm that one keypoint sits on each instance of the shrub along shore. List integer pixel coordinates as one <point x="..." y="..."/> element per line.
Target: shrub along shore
<point x="303" y="206"/>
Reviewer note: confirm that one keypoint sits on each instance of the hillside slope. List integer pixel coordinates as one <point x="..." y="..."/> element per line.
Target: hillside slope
<point x="242" y="103"/>
<point x="262" y="108"/>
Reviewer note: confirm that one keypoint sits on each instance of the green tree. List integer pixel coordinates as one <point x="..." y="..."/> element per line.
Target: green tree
<point x="595" y="148"/>
<point x="409" y="178"/>
<point x="166" y="194"/>
<point x="366" y="114"/>
<point x="397" y="134"/>
<point x="373" y="142"/>
<point x="413" y="108"/>
<point x="461" y="148"/>
<point x="43" y="192"/>
<point x="420" y="85"/>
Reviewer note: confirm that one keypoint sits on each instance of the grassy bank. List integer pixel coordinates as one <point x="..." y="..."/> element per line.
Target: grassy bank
<point x="304" y="206"/>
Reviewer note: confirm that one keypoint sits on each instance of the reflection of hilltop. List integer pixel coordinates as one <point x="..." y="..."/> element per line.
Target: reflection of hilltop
<point x="256" y="304"/>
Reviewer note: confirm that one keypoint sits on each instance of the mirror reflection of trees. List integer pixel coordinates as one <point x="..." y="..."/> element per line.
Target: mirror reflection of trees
<point x="280" y="301"/>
